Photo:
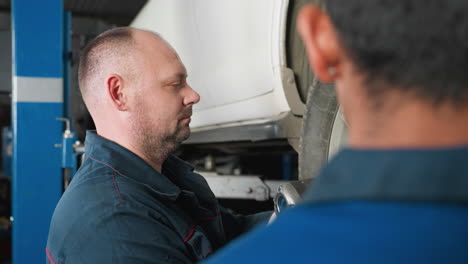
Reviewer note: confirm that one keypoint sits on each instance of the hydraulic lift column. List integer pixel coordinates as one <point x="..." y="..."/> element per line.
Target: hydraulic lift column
<point x="37" y="30"/>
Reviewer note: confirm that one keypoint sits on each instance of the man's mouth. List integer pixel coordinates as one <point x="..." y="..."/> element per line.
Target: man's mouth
<point x="186" y="116"/>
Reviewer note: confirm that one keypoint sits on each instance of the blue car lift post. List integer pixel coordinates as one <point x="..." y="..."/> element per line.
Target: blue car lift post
<point x="37" y="30"/>
<point x="70" y="154"/>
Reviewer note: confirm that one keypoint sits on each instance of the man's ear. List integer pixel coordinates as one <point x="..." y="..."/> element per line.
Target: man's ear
<point x="115" y="89"/>
<point x="321" y="42"/>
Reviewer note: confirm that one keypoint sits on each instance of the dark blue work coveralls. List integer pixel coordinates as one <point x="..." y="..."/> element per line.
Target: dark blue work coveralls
<point x="118" y="209"/>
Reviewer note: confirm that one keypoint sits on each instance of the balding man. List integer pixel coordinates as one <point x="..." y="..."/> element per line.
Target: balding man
<point x="132" y="201"/>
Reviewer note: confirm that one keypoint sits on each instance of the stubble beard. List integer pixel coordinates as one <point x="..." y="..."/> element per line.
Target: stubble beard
<point x="155" y="145"/>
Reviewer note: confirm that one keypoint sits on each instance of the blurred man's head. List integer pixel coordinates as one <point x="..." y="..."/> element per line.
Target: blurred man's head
<point x="389" y="55"/>
<point x="135" y="88"/>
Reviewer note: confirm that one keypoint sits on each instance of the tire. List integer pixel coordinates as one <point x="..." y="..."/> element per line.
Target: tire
<point x="296" y="56"/>
<point x="317" y="129"/>
<point x="323" y="131"/>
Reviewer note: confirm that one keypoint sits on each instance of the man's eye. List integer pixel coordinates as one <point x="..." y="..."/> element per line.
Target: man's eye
<point x="177" y="85"/>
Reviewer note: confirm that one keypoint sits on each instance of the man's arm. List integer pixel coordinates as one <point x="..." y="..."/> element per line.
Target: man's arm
<point x="236" y="224"/>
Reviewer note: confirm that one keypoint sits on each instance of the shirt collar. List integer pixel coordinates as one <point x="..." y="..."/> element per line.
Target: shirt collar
<point x="128" y="164"/>
<point x="424" y="175"/>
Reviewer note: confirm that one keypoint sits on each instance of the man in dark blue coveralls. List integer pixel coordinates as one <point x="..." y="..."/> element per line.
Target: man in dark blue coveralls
<point x="132" y="201"/>
<point x="399" y="192"/>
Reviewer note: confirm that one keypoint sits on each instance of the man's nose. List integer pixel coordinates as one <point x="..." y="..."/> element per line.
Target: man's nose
<point x="192" y="97"/>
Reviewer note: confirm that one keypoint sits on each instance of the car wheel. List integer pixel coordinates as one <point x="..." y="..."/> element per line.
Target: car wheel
<point x="324" y="130"/>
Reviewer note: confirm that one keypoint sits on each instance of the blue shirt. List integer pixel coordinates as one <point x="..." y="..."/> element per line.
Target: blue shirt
<point x="118" y="209"/>
<point x="371" y="206"/>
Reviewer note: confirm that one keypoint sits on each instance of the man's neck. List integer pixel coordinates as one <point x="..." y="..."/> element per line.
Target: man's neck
<point x="154" y="161"/>
<point x="409" y="124"/>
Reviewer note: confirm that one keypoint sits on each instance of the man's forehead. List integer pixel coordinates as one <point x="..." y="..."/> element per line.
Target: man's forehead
<point x="167" y="65"/>
<point x="172" y="71"/>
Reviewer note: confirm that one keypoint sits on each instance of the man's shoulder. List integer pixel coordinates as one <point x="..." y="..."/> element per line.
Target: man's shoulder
<point x="99" y="190"/>
<point x="98" y="183"/>
<point x="96" y="195"/>
<point x="266" y="244"/>
<point x="91" y="185"/>
<point x="354" y="231"/>
<point x="96" y="210"/>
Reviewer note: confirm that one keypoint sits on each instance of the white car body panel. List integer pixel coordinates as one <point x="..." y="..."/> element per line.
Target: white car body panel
<point x="233" y="51"/>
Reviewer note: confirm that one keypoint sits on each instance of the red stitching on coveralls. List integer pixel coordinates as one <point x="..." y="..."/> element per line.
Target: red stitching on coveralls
<point x="106" y="165"/>
<point x="49" y="256"/>
<point x="190" y="234"/>
<point x="116" y="187"/>
<point x="123" y="175"/>
<point x="193" y="226"/>
<point x="211" y="217"/>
